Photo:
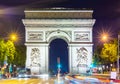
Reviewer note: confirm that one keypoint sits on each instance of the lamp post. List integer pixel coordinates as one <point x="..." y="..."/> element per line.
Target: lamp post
<point x="104" y="38"/>
<point x="118" y="55"/>
<point x="58" y="65"/>
<point x="111" y="67"/>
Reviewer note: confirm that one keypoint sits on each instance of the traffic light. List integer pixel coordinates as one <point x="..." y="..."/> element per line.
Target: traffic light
<point x="92" y="65"/>
<point x="59" y="65"/>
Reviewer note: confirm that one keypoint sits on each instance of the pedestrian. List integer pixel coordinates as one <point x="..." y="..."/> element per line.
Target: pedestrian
<point x="0" y="73"/>
<point x="14" y="71"/>
<point x="7" y="73"/>
<point x="3" y="72"/>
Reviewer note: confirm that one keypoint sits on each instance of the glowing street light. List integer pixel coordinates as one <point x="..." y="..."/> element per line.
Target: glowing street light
<point x="14" y="37"/>
<point x="105" y="37"/>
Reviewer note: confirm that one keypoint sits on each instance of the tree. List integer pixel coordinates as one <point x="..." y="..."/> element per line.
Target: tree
<point x="97" y="60"/>
<point x="20" y="55"/>
<point x="2" y="50"/>
<point x="10" y="51"/>
<point x="109" y="52"/>
<point x="7" y="51"/>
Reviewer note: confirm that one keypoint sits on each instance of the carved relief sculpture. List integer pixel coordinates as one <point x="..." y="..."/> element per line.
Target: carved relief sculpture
<point x="35" y="57"/>
<point x="82" y="55"/>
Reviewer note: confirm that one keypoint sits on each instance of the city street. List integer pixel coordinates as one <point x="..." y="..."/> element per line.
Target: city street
<point x="70" y="79"/>
<point x="61" y="80"/>
<point x="27" y="81"/>
<point x="32" y="81"/>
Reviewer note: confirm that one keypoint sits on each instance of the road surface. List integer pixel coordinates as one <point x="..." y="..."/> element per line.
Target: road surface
<point x="33" y="81"/>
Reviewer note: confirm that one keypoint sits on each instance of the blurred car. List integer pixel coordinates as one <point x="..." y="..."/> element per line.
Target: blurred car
<point x="52" y="75"/>
<point x="22" y="73"/>
<point x="92" y="81"/>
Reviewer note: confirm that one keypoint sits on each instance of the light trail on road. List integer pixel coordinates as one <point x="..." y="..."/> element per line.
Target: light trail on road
<point x="30" y="81"/>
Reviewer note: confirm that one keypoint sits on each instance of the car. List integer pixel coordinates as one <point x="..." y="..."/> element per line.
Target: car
<point x="92" y="80"/>
<point x="22" y="73"/>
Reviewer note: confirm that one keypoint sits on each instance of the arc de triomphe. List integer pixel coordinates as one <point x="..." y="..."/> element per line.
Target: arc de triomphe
<point x="73" y="26"/>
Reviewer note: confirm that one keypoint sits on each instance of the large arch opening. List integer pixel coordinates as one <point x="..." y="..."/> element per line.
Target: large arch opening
<point x="58" y="49"/>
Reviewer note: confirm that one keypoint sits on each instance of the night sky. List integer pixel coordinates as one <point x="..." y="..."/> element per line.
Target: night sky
<point x="106" y="13"/>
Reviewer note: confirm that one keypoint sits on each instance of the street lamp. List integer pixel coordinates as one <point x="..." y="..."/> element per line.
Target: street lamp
<point x="111" y="67"/>
<point x="13" y="37"/>
<point x="118" y="54"/>
<point x="104" y="37"/>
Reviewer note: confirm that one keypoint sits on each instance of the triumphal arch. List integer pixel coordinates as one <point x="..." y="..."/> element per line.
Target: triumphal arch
<point x="72" y="25"/>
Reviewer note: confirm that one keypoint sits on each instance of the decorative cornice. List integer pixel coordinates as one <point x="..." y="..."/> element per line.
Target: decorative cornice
<point x="81" y="43"/>
<point x="63" y="13"/>
<point x="56" y="8"/>
<point x="57" y="26"/>
<point x="36" y="43"/>
<point x="58" y="22"/>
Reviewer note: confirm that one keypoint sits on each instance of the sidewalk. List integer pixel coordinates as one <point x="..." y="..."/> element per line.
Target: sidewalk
<point x="104" y="78"/>
<point x="115" y="81"/>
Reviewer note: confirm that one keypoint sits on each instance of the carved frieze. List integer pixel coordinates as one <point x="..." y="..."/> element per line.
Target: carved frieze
<point x="69" y="33"/>
<point x="35" y="35"/>
<point x="57" y="25"/>
<point x="58" y="14"/>
<point x="81" y="36"/>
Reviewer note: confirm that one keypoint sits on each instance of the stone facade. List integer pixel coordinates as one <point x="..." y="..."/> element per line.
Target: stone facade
<point x="76" y="30"/>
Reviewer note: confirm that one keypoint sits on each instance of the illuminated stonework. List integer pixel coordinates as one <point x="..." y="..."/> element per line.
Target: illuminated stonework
<point x="76" y="30"/>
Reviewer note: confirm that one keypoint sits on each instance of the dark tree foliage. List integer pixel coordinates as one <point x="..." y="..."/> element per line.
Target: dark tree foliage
<point x="20" y="55"/>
